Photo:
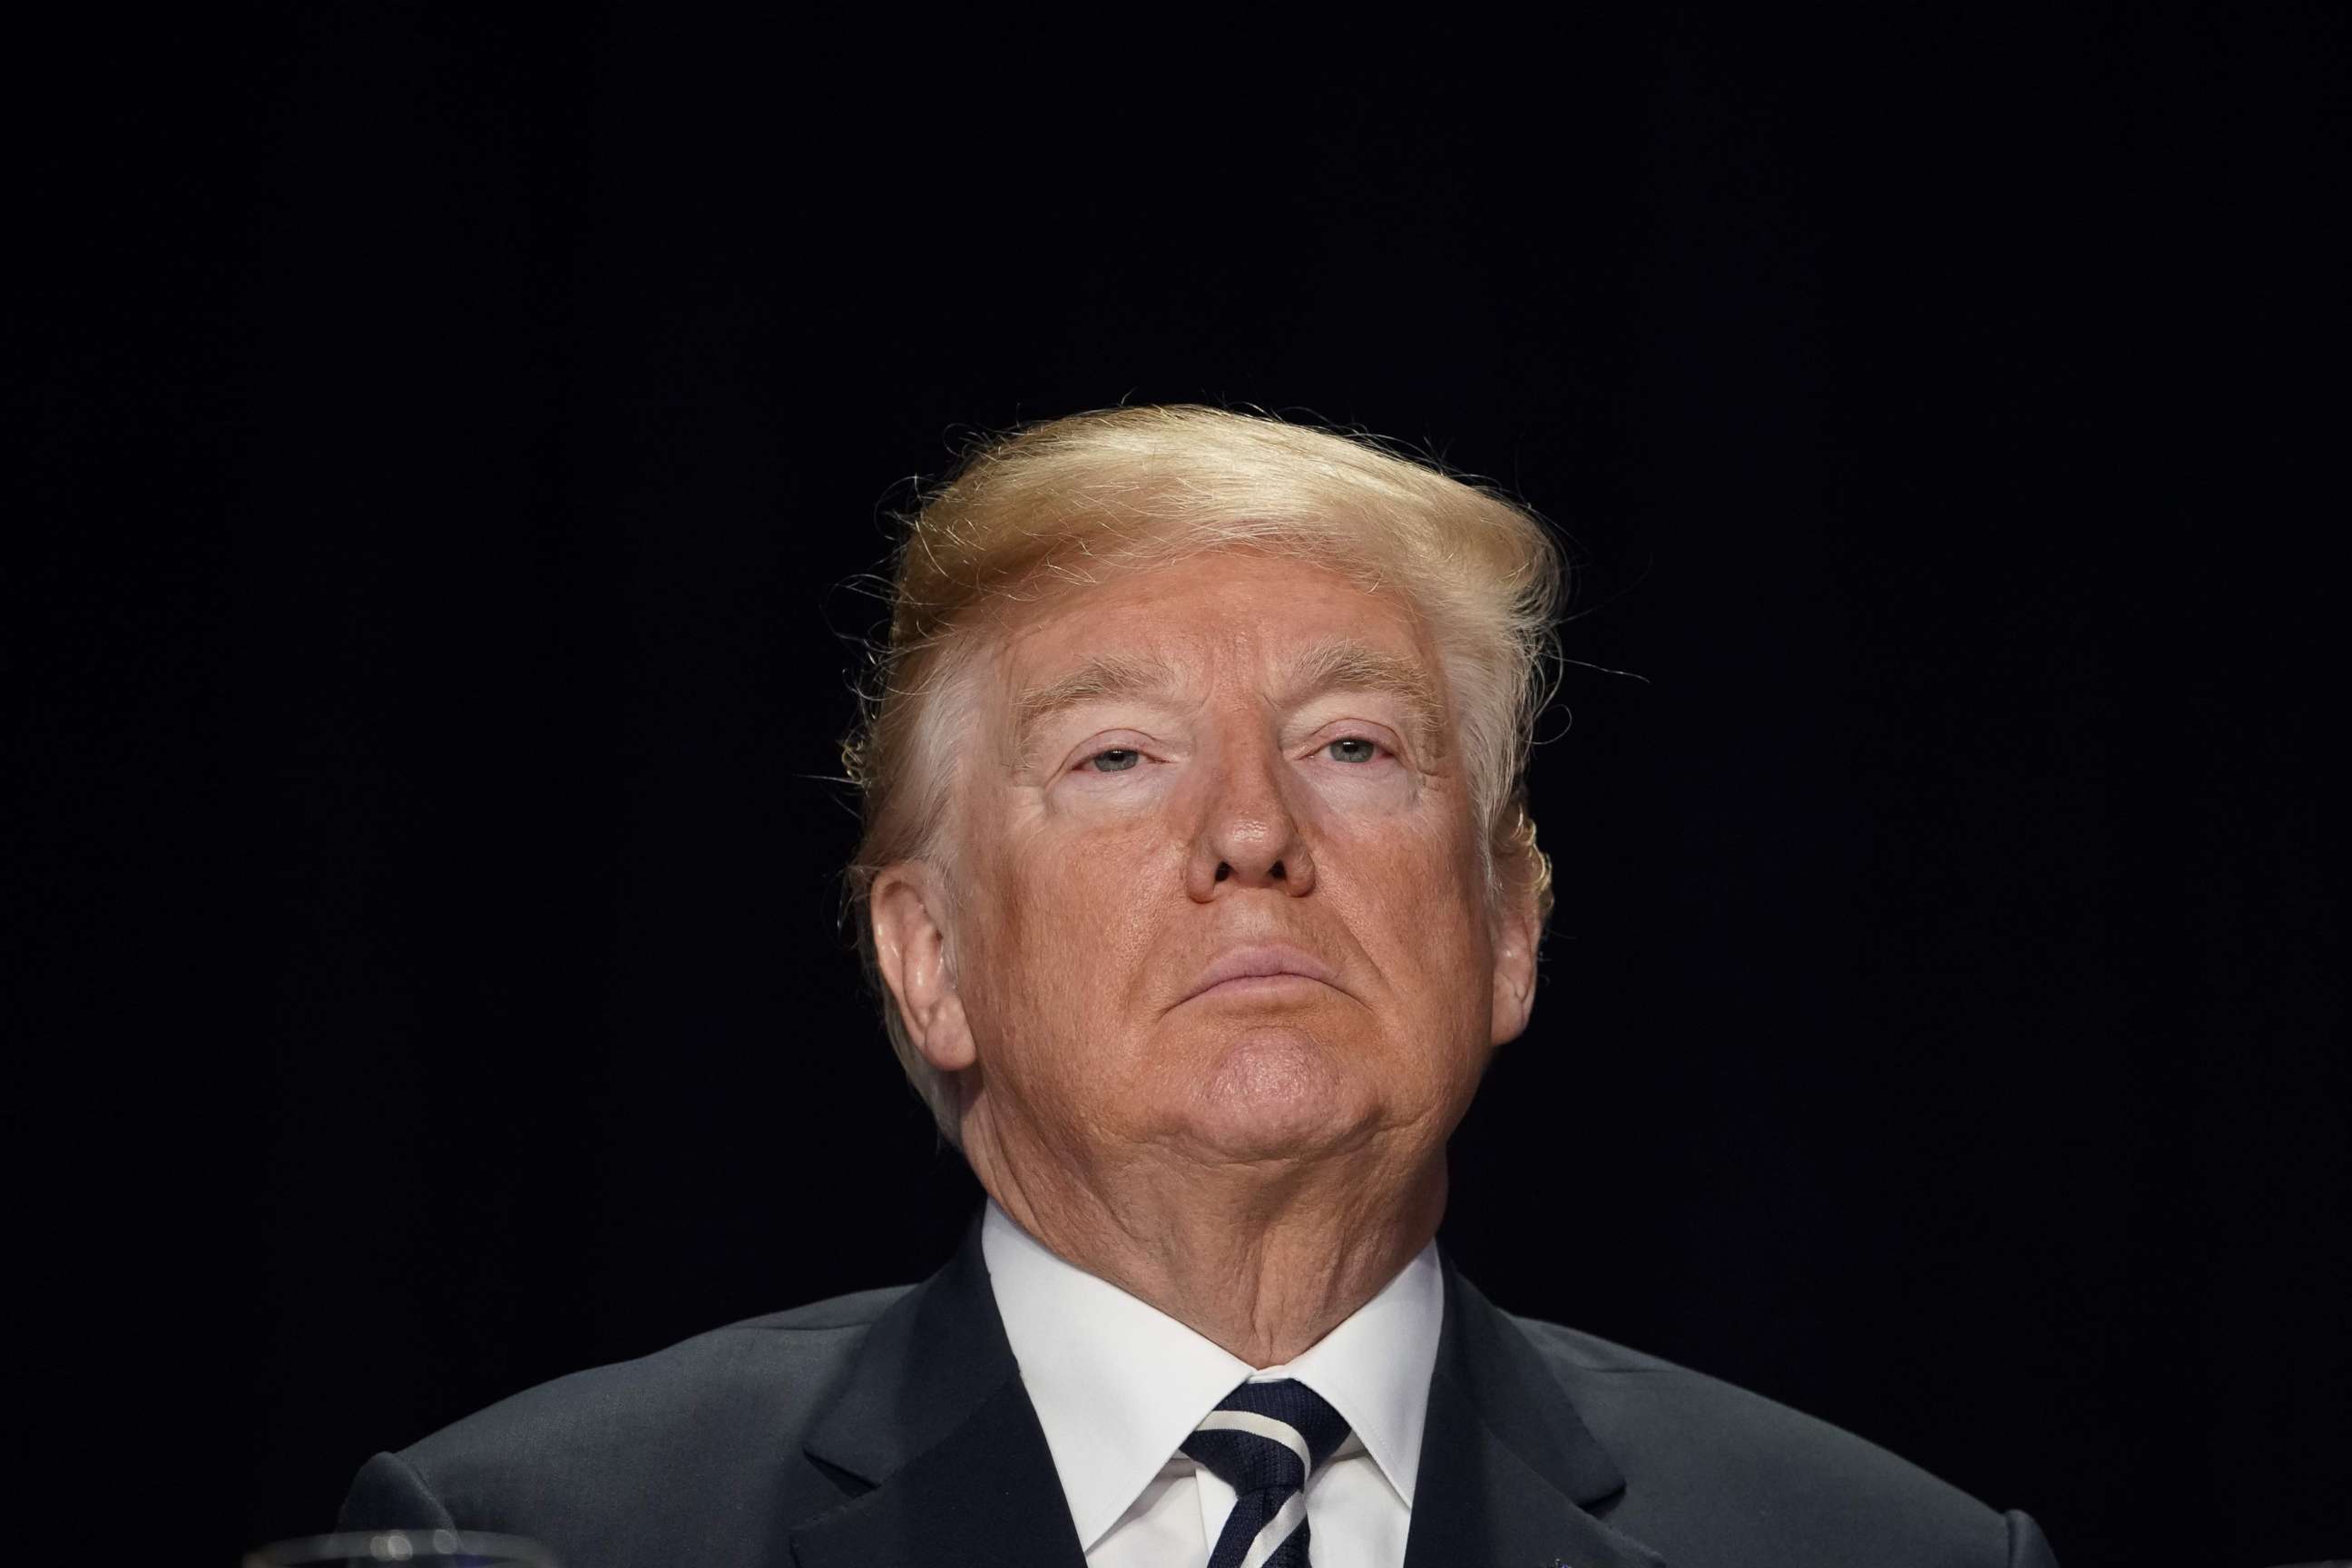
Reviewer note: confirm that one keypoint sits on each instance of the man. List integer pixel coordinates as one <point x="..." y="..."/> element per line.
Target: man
<point x="1200" y="885"/>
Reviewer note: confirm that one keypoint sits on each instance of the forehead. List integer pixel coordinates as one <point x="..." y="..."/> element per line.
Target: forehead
<point x="1240" y="610"/>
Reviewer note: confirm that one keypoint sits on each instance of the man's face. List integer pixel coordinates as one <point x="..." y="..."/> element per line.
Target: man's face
<point x="1219" y="887"/>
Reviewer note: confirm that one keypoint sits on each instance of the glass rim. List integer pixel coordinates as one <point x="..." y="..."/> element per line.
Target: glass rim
<point x="400" y="1546"/>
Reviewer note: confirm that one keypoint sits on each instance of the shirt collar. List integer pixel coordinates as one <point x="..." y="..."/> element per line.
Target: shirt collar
<point x="1118" y="1384"/>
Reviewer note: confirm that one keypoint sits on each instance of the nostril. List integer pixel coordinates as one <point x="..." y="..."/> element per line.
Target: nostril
<point x="1223" y="870"/>
<point x="1276" y="873"/>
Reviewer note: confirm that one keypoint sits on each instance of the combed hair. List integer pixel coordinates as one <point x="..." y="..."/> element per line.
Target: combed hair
<point x="1080" y="498"/>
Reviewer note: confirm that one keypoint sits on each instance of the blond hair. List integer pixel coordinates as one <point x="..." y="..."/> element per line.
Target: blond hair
<point x="1076" y="498"/>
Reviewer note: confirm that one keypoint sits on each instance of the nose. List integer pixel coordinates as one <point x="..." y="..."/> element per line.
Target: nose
<point x="1249" y="834"/>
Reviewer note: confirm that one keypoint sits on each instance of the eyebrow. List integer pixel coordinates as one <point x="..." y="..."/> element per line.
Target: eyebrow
<point x="1339" y="665"/>
<point x="1104" y="677"/>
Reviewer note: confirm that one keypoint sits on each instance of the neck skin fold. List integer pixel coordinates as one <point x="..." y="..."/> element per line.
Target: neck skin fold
<point x="1261" y="1257"/>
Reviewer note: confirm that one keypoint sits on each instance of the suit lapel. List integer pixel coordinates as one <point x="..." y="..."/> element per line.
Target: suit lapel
<point x="936" y="1436"/>
<point x="1508" y="1468"/>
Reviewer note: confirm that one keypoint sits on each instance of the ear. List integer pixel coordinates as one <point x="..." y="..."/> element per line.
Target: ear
<point x="1517" y="930"/>
<point x="910" y="941"/>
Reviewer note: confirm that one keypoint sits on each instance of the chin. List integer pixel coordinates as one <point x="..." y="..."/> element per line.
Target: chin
<point x="1275" y="1092"/>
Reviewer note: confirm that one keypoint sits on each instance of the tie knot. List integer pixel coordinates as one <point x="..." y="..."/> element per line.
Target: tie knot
<point x="1267" y="1435"/>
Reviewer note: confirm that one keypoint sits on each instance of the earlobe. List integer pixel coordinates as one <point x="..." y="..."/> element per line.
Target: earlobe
<point x="1514" y="978"/>
<point x="910" y="944"/>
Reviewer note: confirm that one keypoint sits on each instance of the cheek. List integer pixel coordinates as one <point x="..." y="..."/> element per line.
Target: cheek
<point x="1417" y="901"/>
<point x="1068" y="924"/>
<point x="1403" y="857"/>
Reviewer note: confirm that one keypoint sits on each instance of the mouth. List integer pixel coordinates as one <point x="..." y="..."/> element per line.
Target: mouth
<point x="1263" y="968"/>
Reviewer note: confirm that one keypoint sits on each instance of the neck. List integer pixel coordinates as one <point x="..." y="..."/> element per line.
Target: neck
<point x="1262" y="1259"/>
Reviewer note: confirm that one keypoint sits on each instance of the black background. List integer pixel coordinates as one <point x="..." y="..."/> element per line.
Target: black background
<point x="451" y="436"/>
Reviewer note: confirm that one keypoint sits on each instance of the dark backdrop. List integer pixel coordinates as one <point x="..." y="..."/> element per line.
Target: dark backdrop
<point x="452" y="438"/>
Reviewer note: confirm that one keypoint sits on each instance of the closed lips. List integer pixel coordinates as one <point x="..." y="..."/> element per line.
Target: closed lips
<point x="1263" y="963"/>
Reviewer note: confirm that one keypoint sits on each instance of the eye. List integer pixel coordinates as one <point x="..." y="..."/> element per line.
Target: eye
<point x="1116" y="760"/>
<point x="1353" y="749"/>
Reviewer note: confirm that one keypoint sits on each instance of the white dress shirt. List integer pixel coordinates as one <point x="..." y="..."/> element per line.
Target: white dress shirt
<point x="1118" y="1384"/>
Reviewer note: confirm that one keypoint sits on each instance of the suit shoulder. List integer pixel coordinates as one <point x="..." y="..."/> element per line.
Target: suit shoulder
<point x="856" y="1310"/>
<point x="750" y="1387"/>
<point x="1688" y="1441"/>
<point x="1573" y="1348"/>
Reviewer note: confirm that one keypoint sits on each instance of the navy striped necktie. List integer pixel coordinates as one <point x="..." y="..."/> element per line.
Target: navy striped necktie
<point x="1263" y="1439"/>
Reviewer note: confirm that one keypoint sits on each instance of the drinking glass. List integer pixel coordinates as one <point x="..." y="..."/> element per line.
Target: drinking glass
<point x="404" y="1549"/>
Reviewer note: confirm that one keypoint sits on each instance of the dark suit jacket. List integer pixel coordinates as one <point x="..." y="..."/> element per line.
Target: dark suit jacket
<point x="890" y="1428"/>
